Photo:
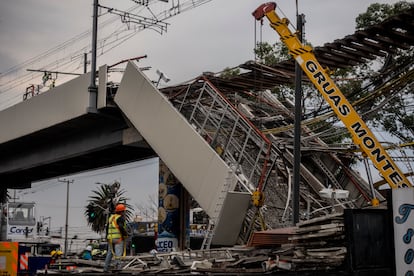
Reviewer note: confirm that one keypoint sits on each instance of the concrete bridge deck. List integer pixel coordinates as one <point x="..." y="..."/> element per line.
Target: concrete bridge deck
<point x="53" y="134"/>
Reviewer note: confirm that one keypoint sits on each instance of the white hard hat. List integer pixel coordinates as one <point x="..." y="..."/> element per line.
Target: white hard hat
<point x="89" y="248"/>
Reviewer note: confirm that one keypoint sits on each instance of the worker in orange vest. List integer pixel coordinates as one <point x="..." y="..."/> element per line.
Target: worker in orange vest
<point x="117" y="235"/>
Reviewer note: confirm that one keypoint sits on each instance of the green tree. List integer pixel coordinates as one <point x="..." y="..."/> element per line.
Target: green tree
<point x="365" y="86"/>
<point x="377" y="13"/>
<point x="313" y="103"/>
<point x="394" y="105"/>
<point x="102" y="204"/>
<point x="271" y="54"/>
<point x="229" y="73"/>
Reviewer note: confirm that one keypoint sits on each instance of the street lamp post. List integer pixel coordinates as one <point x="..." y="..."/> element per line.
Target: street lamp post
<point x="67" y="214"/>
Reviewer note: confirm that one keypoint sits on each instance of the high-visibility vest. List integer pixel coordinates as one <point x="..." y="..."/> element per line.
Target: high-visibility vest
<point x="113" y="228"/>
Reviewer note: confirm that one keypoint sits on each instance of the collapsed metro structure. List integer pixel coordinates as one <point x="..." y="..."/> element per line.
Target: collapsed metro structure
<point x="225" y="138"/>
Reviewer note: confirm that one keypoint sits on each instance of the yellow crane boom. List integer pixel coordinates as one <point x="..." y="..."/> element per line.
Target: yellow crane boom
<point x="361" y="134"/>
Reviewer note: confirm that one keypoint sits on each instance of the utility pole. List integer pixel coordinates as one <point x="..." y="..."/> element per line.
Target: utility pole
<point x="297" y="128"/>
<point x="85" y="63"/>
<point x="93" y="89"/>
<point x="67" y="213"/>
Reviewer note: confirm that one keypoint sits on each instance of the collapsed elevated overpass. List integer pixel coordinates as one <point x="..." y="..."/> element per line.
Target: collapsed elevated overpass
<point x="218" y="155"/>
<point x="53" y="134"/>
<point x="205" y="135"/>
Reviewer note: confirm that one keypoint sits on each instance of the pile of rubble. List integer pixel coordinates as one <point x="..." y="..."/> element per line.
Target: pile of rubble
<point x="316" y="244"/>
<point x="221" y="260"/>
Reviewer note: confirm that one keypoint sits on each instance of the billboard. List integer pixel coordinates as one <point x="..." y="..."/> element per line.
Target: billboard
<point x="403" y="218"/>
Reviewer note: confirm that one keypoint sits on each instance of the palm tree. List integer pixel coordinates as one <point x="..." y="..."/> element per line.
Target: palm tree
<point x="102" y="204"/>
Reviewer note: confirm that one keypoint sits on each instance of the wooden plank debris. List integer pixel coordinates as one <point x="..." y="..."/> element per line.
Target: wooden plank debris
<point x="315" y="243"/>
<point x="320" y="242"/>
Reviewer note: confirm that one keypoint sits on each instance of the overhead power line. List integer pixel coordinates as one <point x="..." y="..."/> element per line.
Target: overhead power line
<point x="112" y="35"/>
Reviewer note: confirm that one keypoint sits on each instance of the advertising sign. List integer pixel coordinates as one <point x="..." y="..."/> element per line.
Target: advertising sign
<point x="19" y="231"/>
<point x="168" y="210"/>
<point x="403" y="216"/>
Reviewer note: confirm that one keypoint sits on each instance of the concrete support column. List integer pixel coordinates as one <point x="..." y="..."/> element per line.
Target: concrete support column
<point x="172" y="212"/>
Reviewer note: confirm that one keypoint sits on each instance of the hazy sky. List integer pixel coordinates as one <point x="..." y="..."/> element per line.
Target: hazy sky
<point x="138" y="179"/>
<point x="211" y="37"/>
